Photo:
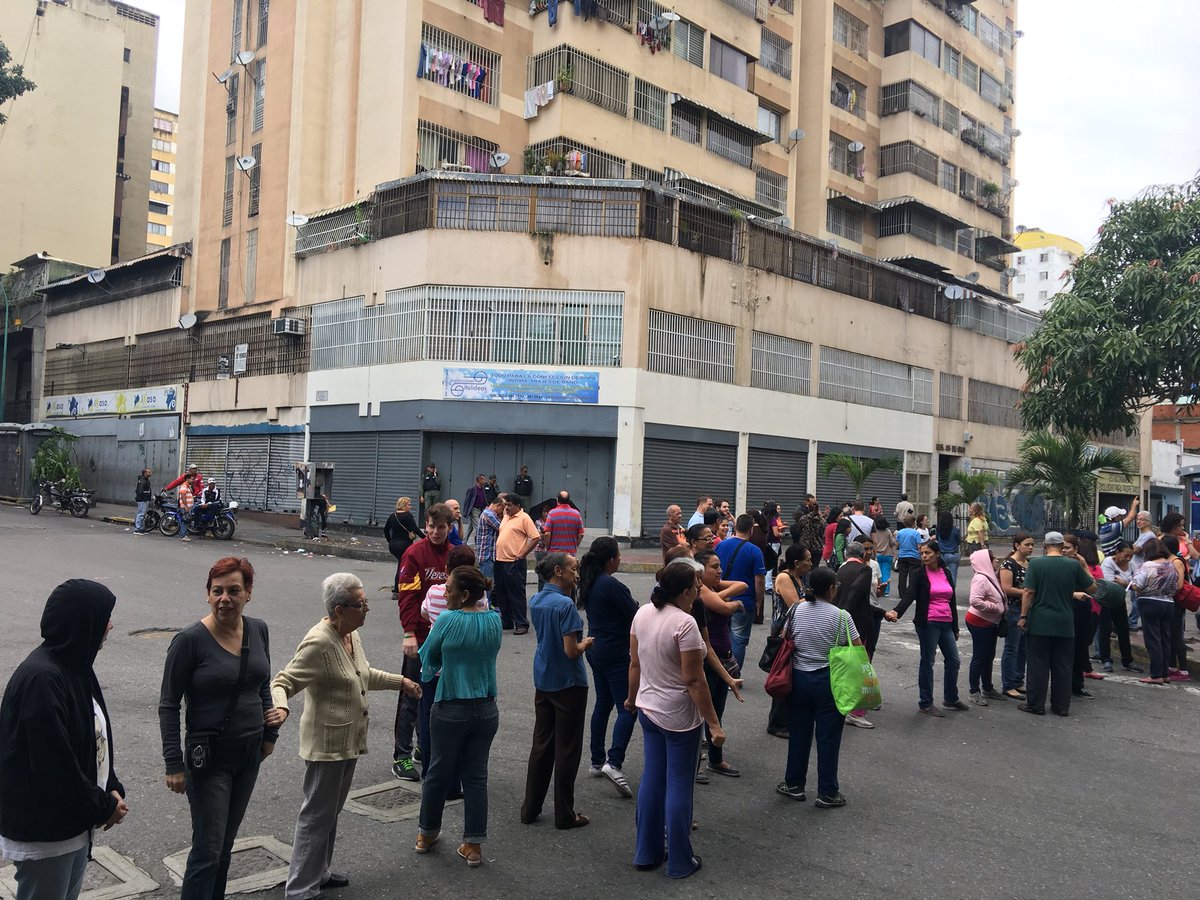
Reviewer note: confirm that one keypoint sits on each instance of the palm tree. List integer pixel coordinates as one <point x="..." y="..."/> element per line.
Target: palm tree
<point x="857" y="469"/>
<point x="968" y="487"/>
<point x="1063" y="468"/>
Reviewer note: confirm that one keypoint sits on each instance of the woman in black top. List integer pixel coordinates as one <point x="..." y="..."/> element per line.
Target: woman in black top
<point x="610" y="608"/>
<point x="400" y="529"/>
<point x="226" y="741"/>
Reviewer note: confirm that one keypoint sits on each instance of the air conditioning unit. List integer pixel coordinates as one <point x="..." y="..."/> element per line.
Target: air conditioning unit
<point x="287" y="326"/>
<point x="456" y="167"/>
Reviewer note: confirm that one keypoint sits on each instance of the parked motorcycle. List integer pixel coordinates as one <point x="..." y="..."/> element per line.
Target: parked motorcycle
<point x="75" y="501"/>
<point x="162" y="507"/>
<point x="219" y="518"/>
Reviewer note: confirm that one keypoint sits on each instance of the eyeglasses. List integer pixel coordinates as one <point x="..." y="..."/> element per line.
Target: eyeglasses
<point x="357" y="604"/>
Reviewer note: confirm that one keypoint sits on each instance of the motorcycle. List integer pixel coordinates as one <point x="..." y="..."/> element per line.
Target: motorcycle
<point x="163" y="507"/>
<point x="75" y="501"/>
<point x="219" y="518"/>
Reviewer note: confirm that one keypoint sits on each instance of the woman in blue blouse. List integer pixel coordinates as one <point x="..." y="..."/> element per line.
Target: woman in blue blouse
<point x="463" y="644"/>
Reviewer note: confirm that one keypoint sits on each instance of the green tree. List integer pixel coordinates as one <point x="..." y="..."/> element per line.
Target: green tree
<point x="857" y="469"/>
<point x="13" y="82"/>
<point x="1062" y="468"/>
<point x="54" y="459"/>
<point x="964" y="488"/>
<point x="1127" y="333"/>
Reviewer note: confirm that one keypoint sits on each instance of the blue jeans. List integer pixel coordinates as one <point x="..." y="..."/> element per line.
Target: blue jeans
<point x="612" y="689"/>
<point x="139" y="520"/>
<point x="1012" y="663"/>
<point x="983" y="655"/>
<point x="60" y="877"/>
<point x="951" y="561"/>
<point x="719" y="691"/>
<point x="739" y="631"/>
<point x="936" y="636"/>
<point x="218" y="800"/>
<point x="885" y="571"/>
<point x="488" y="568"/>
<point x="664" y="798"/>
<point x="461" y="734"/>
<point x="811" y="709"/>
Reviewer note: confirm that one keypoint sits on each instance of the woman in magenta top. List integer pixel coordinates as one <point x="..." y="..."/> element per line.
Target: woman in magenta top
<point x="936" y="623"/>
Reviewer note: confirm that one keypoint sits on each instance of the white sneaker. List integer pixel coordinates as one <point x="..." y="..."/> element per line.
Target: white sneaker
<point x="595" y="771"/>
<point x="617" y="777"/>
<point x="859" y="722"/>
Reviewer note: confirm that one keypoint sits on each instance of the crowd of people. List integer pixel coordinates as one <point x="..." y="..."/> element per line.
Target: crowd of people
<point x="668" y="666"/>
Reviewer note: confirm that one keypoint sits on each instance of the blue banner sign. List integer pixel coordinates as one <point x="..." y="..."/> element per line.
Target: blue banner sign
<point x="522" y="385"/>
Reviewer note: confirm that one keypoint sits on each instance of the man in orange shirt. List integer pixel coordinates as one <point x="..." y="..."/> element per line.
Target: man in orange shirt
<point x="186" y="500"/>
<point x="516" y="540"/>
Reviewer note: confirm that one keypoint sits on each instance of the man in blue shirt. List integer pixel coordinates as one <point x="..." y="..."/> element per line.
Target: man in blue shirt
<point x="742" y="561"/>
<point x="1112" y="525"/>
<point x="908" y="556"/>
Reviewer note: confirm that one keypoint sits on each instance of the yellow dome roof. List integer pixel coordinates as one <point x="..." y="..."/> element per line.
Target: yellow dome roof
<point x="1033" y="238"/>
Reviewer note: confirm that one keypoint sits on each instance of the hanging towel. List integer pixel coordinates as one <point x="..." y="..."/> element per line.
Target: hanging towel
<point x="493" y="11"/>
<point x="537" y="97"/>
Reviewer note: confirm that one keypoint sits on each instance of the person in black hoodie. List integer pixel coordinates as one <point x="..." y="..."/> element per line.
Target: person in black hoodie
<point x="57" y="779"/>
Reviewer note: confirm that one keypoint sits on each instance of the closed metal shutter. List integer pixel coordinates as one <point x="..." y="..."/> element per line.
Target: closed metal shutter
<point x="208" y="451"/>
<point x="779" y="475"/>
<point x="246" y="470"/>
<point x="680" y="471"/>
<point x="836" y="488"/>
<point x="398" y="472"/>
<point x="286" y="450"/>
<point x="353" y="484"/>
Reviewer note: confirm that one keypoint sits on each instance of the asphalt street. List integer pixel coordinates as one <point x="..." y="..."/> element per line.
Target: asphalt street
<point x="990" y="802"/>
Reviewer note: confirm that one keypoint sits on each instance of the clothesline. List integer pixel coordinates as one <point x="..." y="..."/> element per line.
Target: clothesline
<point x="450" y="70"/>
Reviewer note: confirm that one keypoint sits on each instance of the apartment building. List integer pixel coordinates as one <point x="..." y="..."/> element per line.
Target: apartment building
<point x="1043" y="263"/>
<point x="164" y="154"/>
<point x="76" y="149"/>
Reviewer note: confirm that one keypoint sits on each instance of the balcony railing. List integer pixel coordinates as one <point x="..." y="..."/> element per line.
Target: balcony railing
<point x="752" y="8"/>
<point x="848" y="94"/>
<point x="581" y="75"/>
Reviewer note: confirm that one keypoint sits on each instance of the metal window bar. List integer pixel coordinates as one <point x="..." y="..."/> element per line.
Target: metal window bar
<point x="871" y="381"/>
<point x="264" y="15"/>
<point x="850" y="31"/>
<point x="250" y="264"/>
<point x="910" y="96"/>
<point x="966" y="243"/>
<point x="577" y="158"/>
<point x="948" y="176"/>
<point x="439" y="147"/>
<point x="784" y="5"/>
<point x="991" y="34"/>
<point x="461" y="66"/>
<point x="770" y="189"/>
<point x="402" y="209"/>
<point x="729" y="142"/>
<point x="779" y="363"/>
<point x="710" y="231"/>
<point x="638" y="172"/>
<point x="649" y="104"/>
<point x="843" y="159"/>
<point x="345" y="228"/>
<point x="687" y="42"/>
<point x="223" y="275"/>
<point x="235" y="43"/>
<point x="618" y="12"/>
<point x="993" y="404"/>
<point x="844" y="223"/>
<point x="950" y="395"/>
<point x="255" y="174"/>
<point x="227" y="209"/>
<point x="769" y="249"/>
<point x="231" y="108"/>
<point x="848" y="94"/>
<point x="906" y="156"/>
<point x="581" y="75"/>
<point x="686" y="123"/>
<point x="658" y="217"/>
<point x="1009" y="323"/>
<point x="992" y="90"/>
<point x="104" y="367"/>
<point x="776" y="54"/>
<point x="260" y="93"/>
<point x="690" y="347"/>
<point x="751" y="8"/>
<point x="950" y="118"/>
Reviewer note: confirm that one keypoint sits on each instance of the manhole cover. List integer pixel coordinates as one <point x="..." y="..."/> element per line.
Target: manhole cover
<point x="109" y="876"/>
<point x="251" y="861"/>
<point x="388" y="802"/>
<point x="392" y="799"/>
<point x="152" y="633"/>
<point x="96" y="877"/>
<point x="257" y="864"/>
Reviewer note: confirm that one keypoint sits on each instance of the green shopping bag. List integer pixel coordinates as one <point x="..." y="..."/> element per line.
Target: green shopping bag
<point x="851" y="675"/>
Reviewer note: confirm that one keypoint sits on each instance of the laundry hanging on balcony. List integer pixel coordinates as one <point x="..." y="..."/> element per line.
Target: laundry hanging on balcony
<point x="655" y="34"/>
<point x="450" y="70"/>
<point x="537" y="97"/>
<point x="493" y="11"/>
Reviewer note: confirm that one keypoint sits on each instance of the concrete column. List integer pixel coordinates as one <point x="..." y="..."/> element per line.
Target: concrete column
<point x="812" y="471"/>
<point x="741" y="492"/>
<point x="627" y="477"/>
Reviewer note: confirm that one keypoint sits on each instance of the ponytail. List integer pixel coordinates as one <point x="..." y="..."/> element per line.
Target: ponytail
<point x="591" y="566"/>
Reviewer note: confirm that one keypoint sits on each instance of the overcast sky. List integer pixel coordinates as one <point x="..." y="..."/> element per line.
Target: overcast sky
<point x="1105" y="102"/>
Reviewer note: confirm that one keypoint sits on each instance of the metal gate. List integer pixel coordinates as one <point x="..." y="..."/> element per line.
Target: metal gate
<point x="398" y="472"/>
<point x="371" y="470"/>
<point x="677" y="472"/>
<point x="835" y="488"/>
<point x="256" y="470"/>
<point x="112" y="452"/>
<point x="776" y="474"/>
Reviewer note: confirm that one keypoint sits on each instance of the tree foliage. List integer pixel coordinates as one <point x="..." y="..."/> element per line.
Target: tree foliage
<point x="1063" y="468"/>
<point x="964" y="488"/>
<point x="857" y="469"/>
<point x="54" y="459"/>
<point x="13" y="82"/>
<point x="1127" y="333"/>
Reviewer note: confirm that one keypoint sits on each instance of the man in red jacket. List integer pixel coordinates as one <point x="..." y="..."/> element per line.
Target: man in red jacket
<point x="423" y="565"/>
<point x="193" y="477"/>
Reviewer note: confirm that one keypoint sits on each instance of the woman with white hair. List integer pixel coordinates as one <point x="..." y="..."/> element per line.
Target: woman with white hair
<point x="331" y="665"/>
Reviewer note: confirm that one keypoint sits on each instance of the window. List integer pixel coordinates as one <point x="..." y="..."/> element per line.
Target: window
<point x="592" y="80"/>
<point x="993" y="404"/>
<point x="770" y="122"/>
<point x="951" y="61"/>
<point x="255" y="175"/>
<point x="912" y="97"/>
<point x="693" y="348"/>
<point x="159" y="165"/>
<point x="649" y="104"/>
<point x="849" y="31"/>
<point x="991" y="90"/>
<point x="970" y="74"/>
<point x="908" y="35"/>
<point x="855" y="378"/>
<point x="843" y="159"/>
<point x="250" y="261"/>
<point x="223" y="276"/>
<point x="227" y="214"/>
<point x="1020" y="260"/>
<point x="1043" y="257"/>
<point x="733" y="143"/>
<point x="950" y="118"/>
<point x="260" y="93"/>
<point x="1020" y="279"/>
<point x="438" y="146"/>
<point x="264" y="13"/>
<point x="685" y="123"/>
<point x="728" y="63"/>
<point x="126" y="54"/>
<point x="687" y="42"/>
<point x="780" y="363"/>
<point x="770" y="189"/>
<point x="776" y="54"/>
<point x="989" y="33"/>
<point x="848" y="94"/>
<point x="231" y="108"/>
<point x="160" y="209"/>
<point x="163" y="146"/>
<point x="948" y="176"/>
<point x="1042" y="295"/>
<point x="950" y="395"/>
<point x="156" y="228"/>
<point x="908" y="157"/>
<point x="484" y="87"/>
<point x="164" y="125"/>
<point x="844" y="223"/>
<point x="1043" y="276"/>
<point x="159" y="187"/>
<point x="236" y="42"/>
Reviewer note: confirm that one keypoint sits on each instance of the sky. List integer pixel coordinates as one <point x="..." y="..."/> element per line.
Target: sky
<point x="1105" y="103"/>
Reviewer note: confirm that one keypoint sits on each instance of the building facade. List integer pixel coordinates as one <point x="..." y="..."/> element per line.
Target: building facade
<point x="76" y="149"/>
<point x="1043" y="267"/>
<point x="164" y="158"/>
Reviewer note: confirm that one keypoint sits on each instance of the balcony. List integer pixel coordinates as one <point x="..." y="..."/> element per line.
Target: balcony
<point x="848" y="94"/>
<point x="580" y="75"/>
<point x="990" y="143"/>
<point x="755" y="9"/>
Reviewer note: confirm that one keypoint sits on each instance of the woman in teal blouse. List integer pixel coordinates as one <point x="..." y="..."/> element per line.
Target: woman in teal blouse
<point x="463" y="644"/>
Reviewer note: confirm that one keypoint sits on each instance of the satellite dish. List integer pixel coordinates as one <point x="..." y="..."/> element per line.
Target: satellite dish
<point x="96" y="276"/>
<point x="785" y="221"/>
<point x="954" y="292"/>
<point x="855" y="146"/>
<point x="669" y="16"/>
<point x="245" y="163"/>
<point x="187" y="321"/>
<point x="500" y="160"/>
<point x="973" y="277"/>
<point x="1010" y="272"/>
<point x="297" y="219"/>
<point x="244" y="57"/>
<point x="224" y="76"/>
<point x="796" y="134"/>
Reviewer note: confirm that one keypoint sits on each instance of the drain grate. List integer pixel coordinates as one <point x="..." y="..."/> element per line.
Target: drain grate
<point x="257" y="864"/>
<point x="96" y="877"/>
<point x="253" y="860"/>
<point x="153" y="633"/>
<point x="388" y="802"/>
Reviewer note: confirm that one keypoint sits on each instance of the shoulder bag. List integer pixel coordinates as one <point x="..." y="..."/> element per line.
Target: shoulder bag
<point x="775" y="638"/>
<point x="1188" y="596"/>
<point x="200" y="746"/>
<point x="851" y="676"/>
<point x="779" y="679"/>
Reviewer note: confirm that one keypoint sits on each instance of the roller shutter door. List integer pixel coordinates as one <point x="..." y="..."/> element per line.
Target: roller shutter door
<point x="836" y="488"/>
<point x="398" y="472"/>
<point x="286" y="450"/>
<point x="779" y="475"/>
<point x="354" y="482"/>
<point x="680" y="471"/>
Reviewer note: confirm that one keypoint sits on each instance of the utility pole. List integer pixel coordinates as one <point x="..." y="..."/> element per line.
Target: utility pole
<point x="4" y="353"/>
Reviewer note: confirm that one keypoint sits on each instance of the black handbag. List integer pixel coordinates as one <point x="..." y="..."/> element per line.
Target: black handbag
<point x="776" y="639"/>
<point x="199" y="747"/>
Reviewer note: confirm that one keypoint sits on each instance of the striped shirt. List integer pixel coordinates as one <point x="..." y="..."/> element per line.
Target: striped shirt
<point x="565" y="527"/>
<point x="434" y="603"/>
<point x="485" y="535"/>
<point x="816" y="627"/>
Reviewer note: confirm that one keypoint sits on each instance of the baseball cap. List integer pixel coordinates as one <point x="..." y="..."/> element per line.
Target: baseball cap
<point x="1053" y="537"/>
<point x="192" y="467"/>
<point x="1114" y="511"/>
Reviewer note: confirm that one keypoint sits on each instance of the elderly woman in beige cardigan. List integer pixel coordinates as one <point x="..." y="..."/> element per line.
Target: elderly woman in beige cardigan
<point x="331" y="665"/>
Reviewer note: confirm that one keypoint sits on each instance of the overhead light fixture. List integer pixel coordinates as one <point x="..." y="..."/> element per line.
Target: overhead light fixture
<point x="796" y="135"/>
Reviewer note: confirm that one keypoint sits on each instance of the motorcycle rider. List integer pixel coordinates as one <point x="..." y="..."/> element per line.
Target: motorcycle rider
<point x="208" y="503"/>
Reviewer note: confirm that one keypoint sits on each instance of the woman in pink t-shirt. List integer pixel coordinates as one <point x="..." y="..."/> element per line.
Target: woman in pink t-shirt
<point x="668" y="693"/>
<point x="936" y="622"/>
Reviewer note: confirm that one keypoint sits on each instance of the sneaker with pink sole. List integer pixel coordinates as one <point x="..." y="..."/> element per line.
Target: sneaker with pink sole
<point x="1178" y="675"/>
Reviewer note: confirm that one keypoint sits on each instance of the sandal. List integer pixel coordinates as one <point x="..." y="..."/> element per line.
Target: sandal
<point x="471" y="853"/>
<point x="425" y="842"/>
<point x="1153" y="681"/>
